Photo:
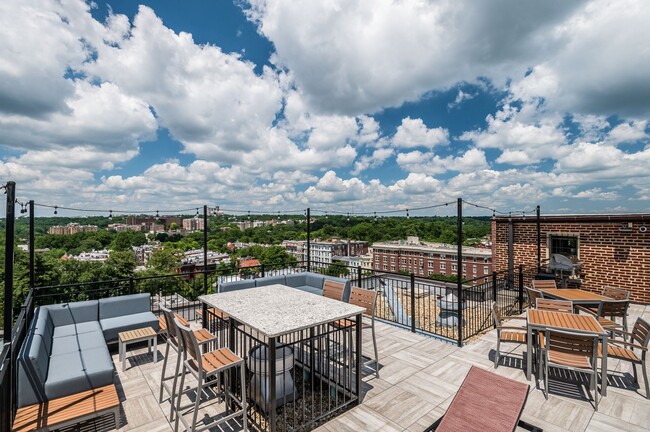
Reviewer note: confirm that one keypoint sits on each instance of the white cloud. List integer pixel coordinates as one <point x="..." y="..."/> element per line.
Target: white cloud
<point x="376" y="159"/>
<point x="429" y="163"/>
<point x="414" y="133"/>
<point x="460" y="98"/>
<point x="629" y="132"/>
<point x="598" y="194"/>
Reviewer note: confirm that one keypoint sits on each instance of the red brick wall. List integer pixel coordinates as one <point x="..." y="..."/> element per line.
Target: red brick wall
<point x="608" y="255"/>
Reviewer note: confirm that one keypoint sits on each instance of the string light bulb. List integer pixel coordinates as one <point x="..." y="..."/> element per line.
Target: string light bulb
<point x="375" y="215"/>
<point x="408" y="216"/>
<point x="348" y="217"/>
<point x="55" y="208"/>
<point x="110" y="214"/>
<point x="157" y="214"/>
<point x="197" y="212"/>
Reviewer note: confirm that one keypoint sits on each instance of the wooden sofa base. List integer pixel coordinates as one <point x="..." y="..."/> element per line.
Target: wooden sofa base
<point x="68" y="410"/>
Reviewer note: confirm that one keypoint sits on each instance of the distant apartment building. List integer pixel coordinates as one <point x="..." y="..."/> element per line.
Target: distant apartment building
<point x="426" y="259"/>
<point x="612" y="249"/>
<point x="365" y="260"/>
<point x="244" y="225"/>
<point x="193" y="224"/>
<point x="321" y="252"/>
<point x="143" y="253"/>
<point x="71" y="228"/>
<point x="125" y="227"/>
<point x="348" y="261"/>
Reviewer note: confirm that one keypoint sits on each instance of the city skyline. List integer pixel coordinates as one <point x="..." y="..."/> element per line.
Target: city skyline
<point x="349" y="106"/>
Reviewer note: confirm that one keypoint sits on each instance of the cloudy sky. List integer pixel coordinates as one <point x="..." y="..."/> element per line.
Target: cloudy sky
<point x="340" y="105"/>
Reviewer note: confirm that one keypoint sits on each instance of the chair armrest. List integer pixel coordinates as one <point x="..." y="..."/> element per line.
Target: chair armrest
<point x="182" y="320"/>
<point x="620" y="342"/>
<point x="584" y="309"/>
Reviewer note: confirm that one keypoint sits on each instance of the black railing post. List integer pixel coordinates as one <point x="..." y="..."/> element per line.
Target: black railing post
<point x="521" y="288"/>
<point x="539" y="241"/>
<point x="308" y="239"/>
<point x="413" y="302"/>
<point x="32" y="261"/>
<point x="131" y="285"/>
<point x="262" y="270"/>
<point x="205" y="249"/>
<point x="10" y="190"/>
<point x="494" y="286"/>
<point x="359" y="277"/>
<point x="459" y="272"/>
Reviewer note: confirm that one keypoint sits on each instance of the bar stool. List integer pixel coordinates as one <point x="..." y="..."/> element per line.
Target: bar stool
<point x="203" y="367"/>
<point x="203" y="337"/>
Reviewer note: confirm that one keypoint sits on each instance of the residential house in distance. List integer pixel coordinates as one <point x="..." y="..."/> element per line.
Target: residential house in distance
<point x="94" y="256"/>
<point x="143" y="253"/>
<point x="71" y="228"/>
<point x="348" y="261"/>
<point x="426" y="259"/>
<point x="613" y="250"/>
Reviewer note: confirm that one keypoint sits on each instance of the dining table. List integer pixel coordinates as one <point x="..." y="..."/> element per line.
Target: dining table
<point x="577" y="296"/>
<point x="541" y="320"/>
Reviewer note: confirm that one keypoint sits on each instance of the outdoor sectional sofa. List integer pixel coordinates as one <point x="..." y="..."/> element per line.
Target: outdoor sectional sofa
<point x="305" y="281"/>
<point x="65" y="351"/>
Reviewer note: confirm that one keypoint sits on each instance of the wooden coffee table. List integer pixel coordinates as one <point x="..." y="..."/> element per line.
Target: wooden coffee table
<point x="133" y="336"/>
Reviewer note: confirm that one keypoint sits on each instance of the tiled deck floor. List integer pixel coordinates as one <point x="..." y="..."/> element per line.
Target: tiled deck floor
<point x="418" y="378"/>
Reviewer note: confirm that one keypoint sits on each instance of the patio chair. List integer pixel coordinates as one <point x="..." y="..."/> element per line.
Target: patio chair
<point x="333" y="290"/>
<point x="608" y="311"/>
<point x="485" y="402"/>
<point x="564" y="306"/>
<point x="623" y="350"/>
<point x="544" y="284"/>
<point x="615" y="293"/>
<point x="573" y="351"/>
<point x="533" y="295"/>
<point x="204" y="367"/>
<point x="366" y="299"/>
<point x="202" y="336"/>
<point x="506" y="334"/>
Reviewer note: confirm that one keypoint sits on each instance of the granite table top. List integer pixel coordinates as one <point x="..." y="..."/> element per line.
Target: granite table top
<point x="275" y="310"/>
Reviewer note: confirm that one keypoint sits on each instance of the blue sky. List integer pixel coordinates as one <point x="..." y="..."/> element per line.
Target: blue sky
<point x="344" y="105"/>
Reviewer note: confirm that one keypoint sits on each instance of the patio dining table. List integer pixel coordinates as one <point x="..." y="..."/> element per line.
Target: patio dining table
<point x="577" y="296"/>
<point x="276" y="311"/>
<point x="540" y="320"/>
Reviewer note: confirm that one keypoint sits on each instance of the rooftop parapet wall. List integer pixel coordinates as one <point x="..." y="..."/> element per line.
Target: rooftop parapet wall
<point x="614" y="249"/>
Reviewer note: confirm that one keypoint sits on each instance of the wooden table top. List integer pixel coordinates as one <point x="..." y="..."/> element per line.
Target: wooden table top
<point x="139" y="334"/>
<point x="564" y="321"/>
<point x="574" y="295"/>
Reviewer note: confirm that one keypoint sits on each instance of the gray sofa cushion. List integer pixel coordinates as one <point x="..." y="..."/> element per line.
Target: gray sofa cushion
<point x="296" y="280"/>
<point x="72" y="313"/>
<point x="73" y="329"/>
<point x="281" y="279"/>
<point x="38" y="357"/>
<point x="124" y="305"/>
<point x="78" y="371"/>
<point x="112" y="326"/>
<point x="315" y="280"/>
<point x="236" y="285"/>
<point x="78" y="342"/>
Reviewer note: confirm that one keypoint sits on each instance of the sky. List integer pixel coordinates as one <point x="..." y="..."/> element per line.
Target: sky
<point x="345" y="105"/>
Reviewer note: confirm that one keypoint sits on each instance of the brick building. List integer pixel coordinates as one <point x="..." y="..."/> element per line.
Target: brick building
<point x="71" y="228"/>
<point x="193" y="224"/>
<point x="426" y="259"/>
<point x="614" y="250"/>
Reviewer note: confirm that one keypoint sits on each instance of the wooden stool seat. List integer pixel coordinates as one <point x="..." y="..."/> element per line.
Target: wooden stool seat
<point x="68" y="410"/>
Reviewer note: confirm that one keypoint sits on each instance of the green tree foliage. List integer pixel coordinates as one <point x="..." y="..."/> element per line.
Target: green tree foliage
<point x="164" y="260"/>
<point x="337" y="269"/>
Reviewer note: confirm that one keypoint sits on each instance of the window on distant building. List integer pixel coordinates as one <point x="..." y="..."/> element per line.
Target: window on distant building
<point x="485" y="269"/>
<point x="564" y="245"/>
<point x="443" y="266"/>
<point x="454" y="267"/>
<point x="392" y="268"/>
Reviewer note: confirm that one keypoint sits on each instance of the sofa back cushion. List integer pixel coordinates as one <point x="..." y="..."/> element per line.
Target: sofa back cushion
<point x="42" y="325"/>
<point x="124" y="305"/>
<point x="33" y="361"/>
<point x="314" y="280"/>
<point x="72" y="313"/>
<point x="271" y="280"/>
<point x="296" y="280"/>
<point x="236" y="285"/>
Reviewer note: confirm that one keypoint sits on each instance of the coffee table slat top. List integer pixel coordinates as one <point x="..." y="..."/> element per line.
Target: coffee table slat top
<point x="134" y="335"/>
<point x="275" y="310"/>
<point x="559" y="320"/>
<point x="574" y="295"/>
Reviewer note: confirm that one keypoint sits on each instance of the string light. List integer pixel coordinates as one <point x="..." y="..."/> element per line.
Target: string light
<point x="407" y="214"/>
<point x="55" y="208"/>
<point x="375" y="215"/>
<point x="157" y="214"/>
<point x="197" y="212"/>
<point x="110" y="214"/>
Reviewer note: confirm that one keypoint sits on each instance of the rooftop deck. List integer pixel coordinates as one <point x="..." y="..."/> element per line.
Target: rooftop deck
<point x="418" y="378"/>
